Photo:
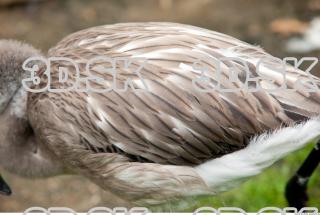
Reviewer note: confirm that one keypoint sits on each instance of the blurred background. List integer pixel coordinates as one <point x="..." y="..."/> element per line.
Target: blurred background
<point x="282" y="27"/>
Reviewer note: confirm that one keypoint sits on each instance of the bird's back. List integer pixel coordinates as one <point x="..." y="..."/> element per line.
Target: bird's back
<point x="168" y="118"/>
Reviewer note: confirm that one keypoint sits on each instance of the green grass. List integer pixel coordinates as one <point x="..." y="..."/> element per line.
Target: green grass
<point x="266" y="189"/>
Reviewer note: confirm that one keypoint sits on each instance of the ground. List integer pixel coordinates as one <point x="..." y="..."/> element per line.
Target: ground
<point x="267" y="23"/>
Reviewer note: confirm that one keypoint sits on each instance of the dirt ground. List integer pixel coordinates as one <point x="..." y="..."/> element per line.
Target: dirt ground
<point x="44" y="23"/>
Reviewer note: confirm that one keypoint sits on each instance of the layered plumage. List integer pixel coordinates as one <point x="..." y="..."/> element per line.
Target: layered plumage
<point x="146" y="145"/>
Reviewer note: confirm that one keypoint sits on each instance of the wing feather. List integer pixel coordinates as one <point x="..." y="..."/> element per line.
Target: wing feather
<point x="173" y="123"/>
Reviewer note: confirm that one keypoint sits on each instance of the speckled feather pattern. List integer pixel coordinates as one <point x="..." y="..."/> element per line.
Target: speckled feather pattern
<point x="144" y="144"/>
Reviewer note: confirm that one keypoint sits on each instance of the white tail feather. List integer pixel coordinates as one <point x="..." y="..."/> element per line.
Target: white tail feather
<point x="227" y="171"/>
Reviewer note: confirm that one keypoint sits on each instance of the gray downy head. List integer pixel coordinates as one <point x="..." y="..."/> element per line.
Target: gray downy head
<point x="12" y="55"/>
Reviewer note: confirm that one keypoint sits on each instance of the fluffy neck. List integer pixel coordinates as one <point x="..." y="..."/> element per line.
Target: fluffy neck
<point x="20" y="151"/>
<point x="18" y="105"/>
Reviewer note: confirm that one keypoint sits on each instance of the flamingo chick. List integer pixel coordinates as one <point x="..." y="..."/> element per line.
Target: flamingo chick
<point x="168" y="141"/>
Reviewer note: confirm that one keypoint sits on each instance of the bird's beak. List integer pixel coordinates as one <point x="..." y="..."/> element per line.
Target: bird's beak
<point x="4" y="187"/>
